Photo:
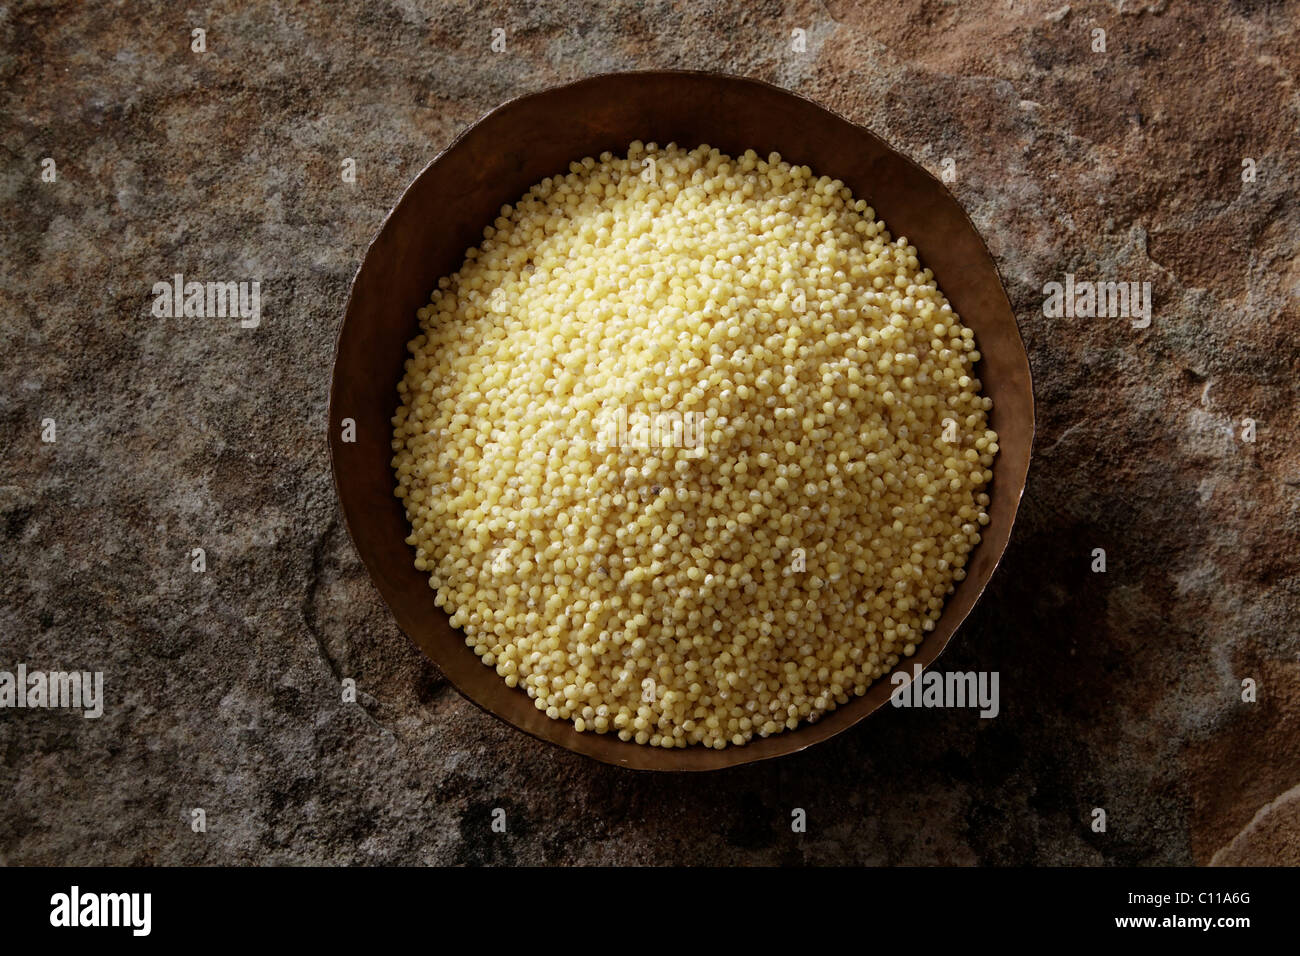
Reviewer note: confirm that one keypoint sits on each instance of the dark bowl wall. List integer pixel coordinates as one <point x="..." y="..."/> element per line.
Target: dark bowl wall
<point x="494" y="162"/>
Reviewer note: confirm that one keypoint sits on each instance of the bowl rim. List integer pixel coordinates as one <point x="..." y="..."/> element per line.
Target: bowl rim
<point x="792" y="735"/>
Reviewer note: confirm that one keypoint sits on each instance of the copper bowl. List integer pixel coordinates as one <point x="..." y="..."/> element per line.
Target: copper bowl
<point x="495" y="161"/>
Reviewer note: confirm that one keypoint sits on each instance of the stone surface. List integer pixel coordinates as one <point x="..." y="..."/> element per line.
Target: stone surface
<point x="1120" y="690"/>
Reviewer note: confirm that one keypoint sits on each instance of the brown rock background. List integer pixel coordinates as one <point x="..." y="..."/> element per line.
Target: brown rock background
<point x="1119" y="690"/>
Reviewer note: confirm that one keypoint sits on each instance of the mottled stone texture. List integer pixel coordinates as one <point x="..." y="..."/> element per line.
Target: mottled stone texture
<point x="1120" y="690"/>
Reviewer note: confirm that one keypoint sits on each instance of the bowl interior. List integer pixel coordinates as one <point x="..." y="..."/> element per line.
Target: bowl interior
<point x="494" y="162"/>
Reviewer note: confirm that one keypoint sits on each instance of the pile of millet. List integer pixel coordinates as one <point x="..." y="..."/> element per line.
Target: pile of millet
<point x="757" y="576"/>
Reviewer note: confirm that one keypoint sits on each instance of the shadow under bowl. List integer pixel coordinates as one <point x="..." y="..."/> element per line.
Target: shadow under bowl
<point x="494" y="162"/>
